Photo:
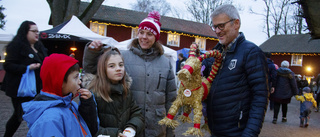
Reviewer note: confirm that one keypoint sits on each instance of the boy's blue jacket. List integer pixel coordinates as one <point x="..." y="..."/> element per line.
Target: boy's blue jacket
<point x="54" y="117"/>
<point x="52" y="114"/>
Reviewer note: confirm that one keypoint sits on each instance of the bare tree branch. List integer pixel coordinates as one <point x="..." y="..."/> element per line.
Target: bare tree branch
<point x="280" y="17"/>
<point x="202" y="9"/>
<point x="162" y="6"/>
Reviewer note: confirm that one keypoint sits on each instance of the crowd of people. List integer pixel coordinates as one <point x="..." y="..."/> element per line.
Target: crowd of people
<point x="284" y="84"/>
<point x="125" y="93"/>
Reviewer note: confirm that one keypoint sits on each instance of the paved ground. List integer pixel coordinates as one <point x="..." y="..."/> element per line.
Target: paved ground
<point x="288" y="129"/>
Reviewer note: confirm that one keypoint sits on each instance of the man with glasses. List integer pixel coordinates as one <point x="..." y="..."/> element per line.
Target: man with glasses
<point x="238" y="97"/>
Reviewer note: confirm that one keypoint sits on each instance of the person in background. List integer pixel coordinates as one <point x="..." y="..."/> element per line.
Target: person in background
<point x="318" y="92"/>
<point x="118" y="113"/>
<point x="285" y="88"/>
<point x="238" y="97"/>
<point x="272" y="74"/>
<point x="178" y="81"/>
<point x="313" y="87"/>
<point x="276" y="66"/>
<point x="154" y="84"/>
<point x="53" y="113"/>
<point x="181" y="59"/>
<point x="301" y="82"/>
<point x="24" y="50"/>
<point x="307" y="101"/>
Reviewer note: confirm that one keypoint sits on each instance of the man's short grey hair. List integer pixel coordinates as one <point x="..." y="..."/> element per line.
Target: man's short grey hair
<point x="285" y="64"/>
<point x="227" y="9"/>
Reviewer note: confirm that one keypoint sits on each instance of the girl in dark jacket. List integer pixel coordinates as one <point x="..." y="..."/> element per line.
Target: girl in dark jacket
<point x="285" y="88"/>
<point x="24" y="50"/>
<point x="117" y="110"/>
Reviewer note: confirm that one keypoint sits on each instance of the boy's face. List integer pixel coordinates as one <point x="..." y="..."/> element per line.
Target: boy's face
<point x="72" y="85"/>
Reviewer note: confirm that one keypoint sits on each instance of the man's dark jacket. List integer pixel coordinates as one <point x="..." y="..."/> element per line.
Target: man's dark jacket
<point x="239" y="94"/>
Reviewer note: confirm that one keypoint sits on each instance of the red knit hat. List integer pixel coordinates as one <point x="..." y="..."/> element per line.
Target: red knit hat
<point x="152" y="23"/>
<point x="53" y="70"/>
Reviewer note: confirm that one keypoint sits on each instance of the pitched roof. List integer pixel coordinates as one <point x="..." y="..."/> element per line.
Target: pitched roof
<point x="133" y="18"/>
<point x="298" y="43"/>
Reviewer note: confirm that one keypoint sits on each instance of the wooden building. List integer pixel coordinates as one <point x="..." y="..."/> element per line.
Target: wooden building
<point x="122" y="24"/>
<point x="302" y="53"/>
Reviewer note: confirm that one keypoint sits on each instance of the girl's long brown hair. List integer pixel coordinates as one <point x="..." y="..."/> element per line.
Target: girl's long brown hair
<point x="101" y="83"/>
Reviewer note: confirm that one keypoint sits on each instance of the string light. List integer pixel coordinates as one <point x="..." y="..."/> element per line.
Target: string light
<point x="303" y="54"/>
<point x="183" y="34"/>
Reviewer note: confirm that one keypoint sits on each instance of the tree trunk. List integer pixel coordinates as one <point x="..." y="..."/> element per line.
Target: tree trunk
<point x="73" y="9"/>
<point x="62" y="10"/>
<point x="57" y="8"/>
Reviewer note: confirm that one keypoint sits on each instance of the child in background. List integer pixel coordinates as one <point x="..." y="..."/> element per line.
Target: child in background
<point x="307" y="101"/>
<point x="117" y="110"/>
<point x="53" y="113"/>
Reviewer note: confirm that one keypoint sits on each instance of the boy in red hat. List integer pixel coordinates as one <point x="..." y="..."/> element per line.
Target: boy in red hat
<point x="52" y="112"/>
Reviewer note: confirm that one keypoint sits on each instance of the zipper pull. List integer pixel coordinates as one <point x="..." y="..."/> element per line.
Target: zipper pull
<point x="240" y="119"/>
<point x="240" y="115"/>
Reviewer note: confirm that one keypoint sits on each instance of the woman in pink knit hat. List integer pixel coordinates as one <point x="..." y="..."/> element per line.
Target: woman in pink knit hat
<point x="153" y="86"/>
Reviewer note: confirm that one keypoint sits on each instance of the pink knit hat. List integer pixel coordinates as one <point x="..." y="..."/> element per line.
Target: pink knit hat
<point x="152" y="23"/>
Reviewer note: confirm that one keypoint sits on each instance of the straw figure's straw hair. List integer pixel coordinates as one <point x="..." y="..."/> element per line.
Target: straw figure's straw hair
<point x="191" y="82"/>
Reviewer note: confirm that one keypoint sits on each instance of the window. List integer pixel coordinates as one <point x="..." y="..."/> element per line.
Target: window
<point x="296" y="60"/>
<point x="134" y="32"/>
<point x="202" y="43"/>
<point x="173" y="40"/>
<point x="100" y="29"/>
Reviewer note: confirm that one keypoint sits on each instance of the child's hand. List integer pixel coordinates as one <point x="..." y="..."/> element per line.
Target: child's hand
<point x="129" y="132"/>
<point x="84" y="93"/>
<point x="121" y="135"/>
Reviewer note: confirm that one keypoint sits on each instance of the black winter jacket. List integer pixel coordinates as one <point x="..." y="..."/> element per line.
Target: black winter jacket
<point x="239" y="94"/>
<point x="286" y="85"/>
<point x="19" y="56"/>
<point x="119" y="114"/>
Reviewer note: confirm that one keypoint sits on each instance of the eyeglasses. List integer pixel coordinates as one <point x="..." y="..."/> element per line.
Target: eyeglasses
<point x="34" y="31"/>
<point x="221" y="25"/>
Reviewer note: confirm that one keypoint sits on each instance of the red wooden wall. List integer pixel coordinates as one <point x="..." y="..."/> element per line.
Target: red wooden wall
<point x="308" y="61"/>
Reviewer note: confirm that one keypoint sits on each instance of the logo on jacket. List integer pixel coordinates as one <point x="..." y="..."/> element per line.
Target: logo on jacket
<point x="232" y="64"/>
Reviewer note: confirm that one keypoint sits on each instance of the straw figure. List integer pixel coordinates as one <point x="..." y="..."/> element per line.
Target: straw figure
<point x="192" y="91"/>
